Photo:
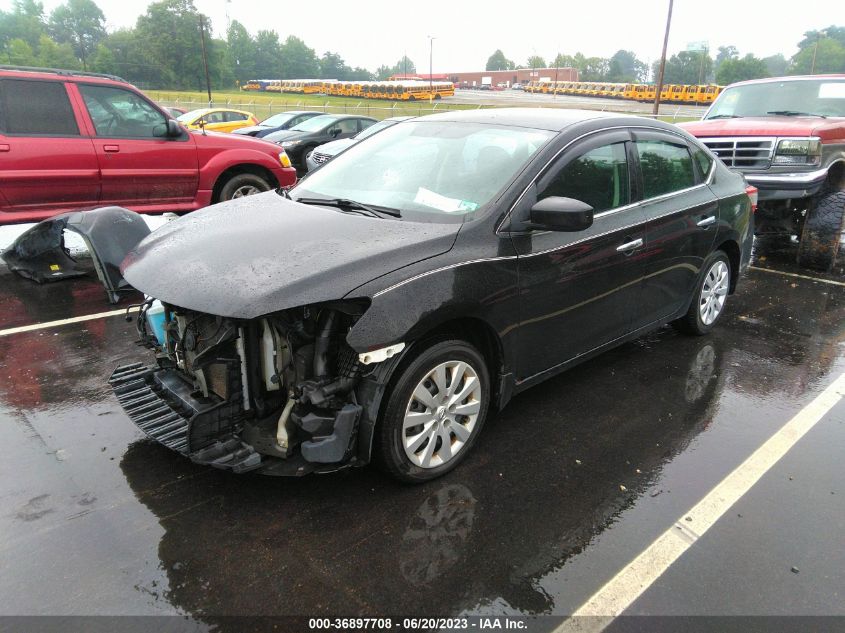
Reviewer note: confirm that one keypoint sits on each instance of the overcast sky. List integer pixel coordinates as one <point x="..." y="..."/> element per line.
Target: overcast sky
<point x="376" y="32"/>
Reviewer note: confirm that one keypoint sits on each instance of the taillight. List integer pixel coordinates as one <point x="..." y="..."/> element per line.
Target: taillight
<point x="752" y="194"/>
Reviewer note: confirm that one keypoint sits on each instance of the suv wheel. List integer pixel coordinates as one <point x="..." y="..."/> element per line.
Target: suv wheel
<point x="708" y="302"/>
<point x="822" y="232"/>
<point x="243" y="185"/>
<point x="434" y="412"/>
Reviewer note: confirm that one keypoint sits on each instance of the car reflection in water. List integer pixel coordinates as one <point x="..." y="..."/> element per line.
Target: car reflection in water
<point x="484" y="535"/>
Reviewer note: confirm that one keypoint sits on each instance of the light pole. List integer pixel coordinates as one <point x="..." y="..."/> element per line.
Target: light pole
<point x="431" y="39"/>
<point x="659" y="86"/>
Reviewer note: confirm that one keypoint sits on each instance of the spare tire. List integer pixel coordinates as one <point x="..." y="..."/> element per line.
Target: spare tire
<point x="822" y="231"/>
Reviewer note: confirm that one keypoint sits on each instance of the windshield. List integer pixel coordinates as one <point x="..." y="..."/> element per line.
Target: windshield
<point x="190" y="116"/>
<point x="375" y="127"/>
<point x="427" y="166"/>
<point x="278" y="119"/>
<point x="809" y="96"/>
<point x="315" y="124"/>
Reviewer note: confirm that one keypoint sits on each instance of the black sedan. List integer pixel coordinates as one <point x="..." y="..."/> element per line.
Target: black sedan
<point x="303" y="137"/>
<point x="277" y="122"/>
<point x="386" y="305"/>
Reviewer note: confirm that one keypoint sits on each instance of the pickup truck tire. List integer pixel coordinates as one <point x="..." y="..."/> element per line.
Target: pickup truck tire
<point x="822" y="232"/>
<point x="243" y="185"/>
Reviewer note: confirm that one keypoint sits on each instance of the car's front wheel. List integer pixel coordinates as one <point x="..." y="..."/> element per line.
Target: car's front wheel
<point x="711" y="292"/>
<point x="434" y="413"/>
<point x="243" y="185"/>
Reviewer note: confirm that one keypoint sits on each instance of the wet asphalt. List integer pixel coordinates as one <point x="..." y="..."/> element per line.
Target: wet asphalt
<point x="565" y="486"/>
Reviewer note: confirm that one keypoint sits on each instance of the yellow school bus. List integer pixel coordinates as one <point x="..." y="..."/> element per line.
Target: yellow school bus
<point x="704" y="94"/>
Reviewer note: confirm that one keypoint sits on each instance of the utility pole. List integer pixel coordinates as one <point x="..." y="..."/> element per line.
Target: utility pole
<point x="554" y="88"/>
<point x="659" y="86"/>
<point x="701" y="67"/>
<point x="205" y="61"/>
<point x="816" y="50"/>
<point x="430" y="66"/>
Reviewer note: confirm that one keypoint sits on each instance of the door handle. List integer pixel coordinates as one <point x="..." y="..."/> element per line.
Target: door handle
<point x="111" y="148"/>
<point x="704" y="223"/>
<point x="629" y="246"/>
<point x="4" y="147"/>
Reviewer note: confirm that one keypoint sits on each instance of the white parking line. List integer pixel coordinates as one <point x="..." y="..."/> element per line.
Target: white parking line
<point x="785" y="274"/>
<point x="636" y="577"/>
<point x="79" y="319"/>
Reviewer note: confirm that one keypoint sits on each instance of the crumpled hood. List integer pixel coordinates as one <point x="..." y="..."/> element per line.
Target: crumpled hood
<point x="264" y="253"/>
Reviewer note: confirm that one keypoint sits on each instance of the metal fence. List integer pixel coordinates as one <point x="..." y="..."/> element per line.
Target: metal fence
<point x="264" y="109"/>
<point x="386" y="109"/>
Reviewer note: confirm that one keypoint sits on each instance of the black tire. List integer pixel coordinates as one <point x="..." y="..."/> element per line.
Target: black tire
<point x="692" y="323"/>
<point x="823" y="227"/>
<point x="242" y="183"/>
<point x="389" y="450"/>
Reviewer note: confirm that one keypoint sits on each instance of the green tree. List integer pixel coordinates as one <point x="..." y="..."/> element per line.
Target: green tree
<point x="24" y="22"/>
<point x="103" y="61"/>
<point x="332" y="66"/>
<point x="81" y="24"/>
<point x="624" y="67"/>
<point x="168" y="36"/>
<point x="535" y="61"/>
<point x="498" y="61"/>
<point x="53" y="55"/>
<point x="564" y="61"/>
<point x="360" y="74"/>
<point x="687" y="67"/>
<point x="269" y="59"/>
<point x="405" y="66"/>
<point x="776" y="65"/>
<point x="19" y="53"/>
<point x="241" y="53"/>
<point x="299" y="61"/>
<point x="748" y="67"/>
<point x="725" y="53"/>
<point x="819" y="53"/>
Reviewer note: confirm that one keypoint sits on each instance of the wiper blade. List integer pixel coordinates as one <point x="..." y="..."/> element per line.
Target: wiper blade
<point x="352" y="205"/>
<point x="795" y="113"/>
<point x="723" y="116"/>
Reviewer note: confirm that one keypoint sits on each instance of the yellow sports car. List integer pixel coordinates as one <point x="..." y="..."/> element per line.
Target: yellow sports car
<point x="217" y="119"/>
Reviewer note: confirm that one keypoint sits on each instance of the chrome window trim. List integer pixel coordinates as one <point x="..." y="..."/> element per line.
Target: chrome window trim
<point x="602" y="214"/>
<point x="631" y="205"/>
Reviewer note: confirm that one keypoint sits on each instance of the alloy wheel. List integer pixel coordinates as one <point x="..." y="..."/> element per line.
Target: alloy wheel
<point x="441" y="414"/>
<point x="245" y="190"/>
<point x="714" y="290"/>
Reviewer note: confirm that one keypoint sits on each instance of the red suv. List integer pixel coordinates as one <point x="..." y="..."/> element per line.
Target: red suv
<point x="71" y="140"/>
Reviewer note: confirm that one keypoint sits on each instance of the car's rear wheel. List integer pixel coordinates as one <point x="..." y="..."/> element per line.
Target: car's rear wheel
<point x="434" y="413"/>
<point x="822" y="233"/>
<point x="708" y="301"/>
<point x="243" y="185"/>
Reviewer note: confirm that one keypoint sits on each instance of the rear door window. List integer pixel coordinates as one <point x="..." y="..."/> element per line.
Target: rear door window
<point x="36" y="108"/>
<point x="666" y="167"/>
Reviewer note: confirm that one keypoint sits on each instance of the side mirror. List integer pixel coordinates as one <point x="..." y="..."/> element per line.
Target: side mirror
<point x="169" y="129"/>
<point x="561" y="214"/>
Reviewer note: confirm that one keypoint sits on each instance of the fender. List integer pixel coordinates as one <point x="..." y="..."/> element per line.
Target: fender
<point x="213" y="162"/>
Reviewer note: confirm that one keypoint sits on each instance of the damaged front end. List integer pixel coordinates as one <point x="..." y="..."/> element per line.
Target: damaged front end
<point x="282" y="393"/>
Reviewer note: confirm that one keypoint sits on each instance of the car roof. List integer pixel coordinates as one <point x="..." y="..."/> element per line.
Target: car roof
<point x="791" y="78"/>
<point x="58" y="74"/>
<point x="552" y="119"/>
<point x="210" y="110"/>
